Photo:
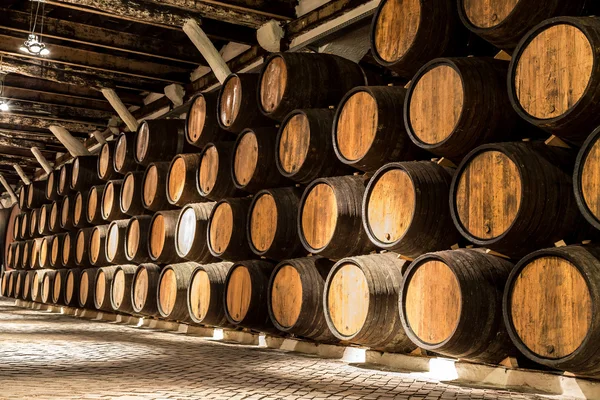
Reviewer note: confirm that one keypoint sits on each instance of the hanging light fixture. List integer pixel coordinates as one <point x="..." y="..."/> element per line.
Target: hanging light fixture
<point x="33" y="44"/>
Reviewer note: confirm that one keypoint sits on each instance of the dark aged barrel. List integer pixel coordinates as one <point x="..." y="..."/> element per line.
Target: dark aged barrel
<point x="227" y="230"/>
<point x="52" y="185"/>
<point x="64" y="179"/>
<point x="554" y="76"/>
<point x="329" y="217"/>
<point x="272" y="227"/>
<point x="84" y="173"/>
<point x="4" y="288"/>
<point x="36" y="194"/>
<point x="82" y="247"/>
<point x="19" y="284"/>
<point x="172" y="291"/>
<point x="26" y="254"/>
<point x="18" y="257"/>
<point x="190" y="233"/>
<point x="253" y="167"/>
<point x="87" y="288"/>
<point x="131" y="194"/>
<point x="120" y="290"/>
<point x="12" y="280"/>
<point x="360" y="302"/>
<point x="245" y="296"/>
<point x="72" y="287"/>
<point x="202" y="125"/>
<point x="160" y="140"/>
<point x="80" y="209"/>
<point x="45" y="252"/>
<point x="43" y="220"/>
<point x="104" y="279"/>
<point x="47" y="285"/>
<point x="451" y="303"/>
<point x="54" y="222"/>
<point x="136" y="239"/>
<point x="205" y="294"/>
<point x="58" y="291"/>
<point x="36" y="286"/>
<point x="508" y="196"/>
<point x="161" y="237"/>
<point x="295" y="297"/>
<point x="586" y="178"/>
<point x="106" y="166"/>
<point x="289" y="81"/>
<point x="305" y="148"/>
<point x="236" y="104"/>
<point x="66" y="213"/>
<point x="97" y="245"/>
<point x="27" y="285"/>
<point x="33" y="222"/>
<point x="144" y="290"/>
<point x="68" y="253"/>
<point x="93" y="213"/>
<point x="154" y="182"/>
<point x="124" y="156"/>
<point x="34" y="257"/>
<point x="549" y="304"/>
<point x="181" y="188"/>
<point x="456" y="104"/>
<point x="405" y="208"/>
<point x="110" y="207"/>
<point x="115" y="242"/>
<point x="10" y="255"/>
<point x="368" y="131"/>
<point x="213" y="179"/>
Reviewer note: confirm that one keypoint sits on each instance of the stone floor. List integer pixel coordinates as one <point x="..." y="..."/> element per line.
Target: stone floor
<point x="51" y="356"/>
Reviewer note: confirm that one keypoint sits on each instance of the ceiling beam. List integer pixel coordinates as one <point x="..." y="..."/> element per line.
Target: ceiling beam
<point x="36" y="97"/>
<point x="60" y="111"/>
<point x="10" y="151"/>
<point x="42" y="138"/>
<point x="43" y="122"/>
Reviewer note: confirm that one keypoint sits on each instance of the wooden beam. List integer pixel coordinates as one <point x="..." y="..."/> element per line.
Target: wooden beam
<point x="42" y="160"/>
<point x="42" y="122"/>
<point x="59" y="111"/>
<point x="12" y="133"/>
<point x="22" y="174"/>
<point x="73" y="145"/>
<point x="36" y="97"/>
<point x="9" y="189"/>
<point x="208" y="50"/>
<point x="121" y="109"/>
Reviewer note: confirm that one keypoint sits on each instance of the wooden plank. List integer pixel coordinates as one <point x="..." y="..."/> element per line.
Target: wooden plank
<point x="45" y="122"/>
<point x="59" y="111"/>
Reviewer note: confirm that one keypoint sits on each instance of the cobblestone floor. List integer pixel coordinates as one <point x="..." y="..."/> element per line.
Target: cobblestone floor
<point x="52" y="356"/>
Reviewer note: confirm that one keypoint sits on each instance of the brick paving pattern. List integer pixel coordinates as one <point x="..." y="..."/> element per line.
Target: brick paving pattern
<point x="51" y="356"/>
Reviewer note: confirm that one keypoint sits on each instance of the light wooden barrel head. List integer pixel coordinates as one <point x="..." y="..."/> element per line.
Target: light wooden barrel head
<point x="286" y="296"/>
<point x="35" y="285"/>
<point x="167" y="292"/>
<point x="488" y="194"/>
<point x="553" y="71"/>
<point x="357" y="126"/>
<point x="75" y="172"/>
<point x="239" y="293"/>
<point x="209" y="168"/>
<point x="92" y="205"/>
<point x="196" y="119"/>
<point x="432" y="302"/>
<point x="26" y="286"/>
<point x="157" y="236"/>
<point x="273" y="84"/>
<point x="49" y="185"/>
<point x="142" y="139"/>
<point x="391" y="205"/>
<point x="348" y="299"/>
<point x="64" y="212"/>
<point x="44" y="250"/>
<point x="95" y="245"/>
<point x="100" y="287"/>
<point x="186" y="231"/>
<point x="25" y="219"/>
<point x="200" y="294"/>
<point x="120" y="152"/>
<point x="263" y="222"/>
<point x="63" y="183"/>
<point x="319" y="216"/>
<point x="396" y="28"/>
<point x="108" y="199"/>
<point x="221" y="227"/>
<point x="33" y="222"/>
<point x="140" y="289"/>
<point x="127" y="191"/>
<point x="112" y="242"/>
<point x="69" y="286"/>
<point x="78" y="208"/>
<point x="488" y="13"/>
<point x="26" y="252"/>
<point x="551" y="307"/>
<point x="66" y="249"/>
<point x="42" y="218"/>
<point x="590" y="180"/>
<point x="56" y="292"/>
<point x="150" y="184"/>
<point x="133" y="238"/>
<point x="104" y="161"/>
<point x="55" y="250"/>
<point x="436" y="104"/>
<point x="84" y="284"/>
<point x="46" y="288"/>
<point x="231" y="100"/>
<point x="35" y="252"/>
<point x="245" y="158"/>
<point x="294" y="143"/>
<point x="30" y="196"/>
<point x="176" y="179"/>
<point x="118" y="288"/>
<point x="18" y="286"/>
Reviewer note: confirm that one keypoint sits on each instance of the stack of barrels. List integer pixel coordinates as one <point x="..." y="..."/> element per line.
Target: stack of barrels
<point x="305" y="200"/>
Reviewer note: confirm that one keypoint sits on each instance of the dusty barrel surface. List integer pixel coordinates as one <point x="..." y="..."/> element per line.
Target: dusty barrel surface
<point x="97" y="245"/>
<point x="406" y="210"/>
<point x="554" y="76"/>
<point x="305" y="147"/>
<point x="102" y="292"/>
<point x="80" y="209"/>
<point x="47" y="285"/>
<point x="245" y="295"/>
<point x="87" y="288"/>
<point x="181" y="179"/>
<point x="120" y="290"/>
<point x="360" y="301"/>
<point x="106" y="166"/>
<point x="110" y="207"/>
<point x="586" y="177"/>
<point x="71" y="297"/>
<point x="161" y="237"/>
<point x="290" y="81"/>
<point x="64" y="250"/>
<point x="136" y="239"/>
<point x="84" y="173"/>
<point x="202" y="126"/>
<point x="124" y="155"/>
<point x="36" y="194"/>
<point x="549" y="304"/>
<point x="67" y="211"/>
<point x="82" y="246"/>
<point x="52" y="185"/>
<point x="172" y="291"/>
<point x="115" y="251"/>
<point x="93" y="207"/>
<point x="160" y="140"/>
<point x="295" y="297"/>
<point x="272" y="227"/>
<point x="499" y="189"/>
<point x="451" y="303"/>
<point x="145" y="286"/>
<point x="226" y="233"/>
<point x="205" y="293"/>
<point x="190" y="236"/>
<point x="58" y="291"/>
<point x="154" y="182"/>
<point x="214" y="180"/>
<point x="130" y="200"/>
<point x="64" y="178"/>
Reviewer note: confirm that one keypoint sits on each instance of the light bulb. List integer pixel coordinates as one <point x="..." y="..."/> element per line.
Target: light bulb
<point x="3" y="106"/>
<point x="45" y="52"/>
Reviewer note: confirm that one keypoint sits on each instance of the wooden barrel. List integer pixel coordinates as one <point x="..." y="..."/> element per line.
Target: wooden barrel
<point x="23" y="197"/>
<point x="295" y="297"/>
<point x="17" y="226"/>
<point x="499" y="190"/>
<point x="305" y="146"/>
<point x="87" y="288"/>
<point x="130" y="201"/>
<point x="12" y="280"/>
<point x="10" y="256"/>
<point x="451" y="304"/>
<point x="64" y="178"/>
<point x="360" y="302"/>
<point x="291" y="81"/>
<point x="236" y="104"/>
<point x="172" y="291"/>
<point x="330" y="217"/>
<point x="25" y="226"/>
<point x="406" y="210"/>
<point x="272" y="227"/>
<point x="102" y="293"/>
<point x="144" y="290"/>
<point x="45" y="253"/>
<point x="27" y="285"/>
<point x="54" y="222"/>
<point x="36" y="286"/>
<point x="245" y="295"/>
<point x="205" y="294"/>
<point x="549" y="304"/>
<point x="136" y="239"/>
<point x="161" y="237"/>
<point x="72" y="287"/>
<point x="97" y="245"/>
<point x="456" y="104"/>
<point x="202" y="126"/>
<point x="110" y="207"/>
<point x="4" y="284"/>
<point x="52" y="185"/>
<point x="585" y="178"/>
<point x="44" y="220"/>
<point x="154" y="182"/>
<point x="115" y="242"/>
<point x="58" y="291"/>
<point x="106" y="166"/>
<point x="18" y="257"/>
<point x="19" y="284"/>
<point x="556" y="86"/>
<point x="34" y="256"/>
<point x="214" y="180"/>
<point x="82" y="247"/>
<point x="55" y="250"/>
<point x="93" y="213"/>
<point x="85" y="173"/>
<point x="190" y="234"/>
<point x="181" y="188"/>
<point x="36" y="194"/>
<point x="227" y="230"/>
<point x="120" y="290"/>
<point x="80" y="203"/>
<point x="124" y="156"/>
<point x="64" y="251"/>
<point x="33" y="222"/>
<point x="67" y="210"/>
<point x="160" y="140"/>
<point x="26" y="254"/>
<point x="47" y="285"/>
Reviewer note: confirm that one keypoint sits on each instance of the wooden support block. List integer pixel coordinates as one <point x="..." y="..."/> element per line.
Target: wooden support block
<point x="269" y="36"/>
<point x="99" y="136"/>
<point x="73" y="145"/>
<point x="510" y="362"/>
<point x="41" y="159"/>
<point x="444" y="162"/>
<point x="586" y="241"/>
<point x="560" y="243"/>
<point x="556" y="142"/>
<point x="22" y="174"/>
<point x="503" y="56"/>
<point x="455" y="246"/>
<point x="121" y="109"/>
<point x="207" y="49"/>
<point x="405" y="258"/>
<point x="419" y="352"/>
